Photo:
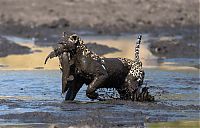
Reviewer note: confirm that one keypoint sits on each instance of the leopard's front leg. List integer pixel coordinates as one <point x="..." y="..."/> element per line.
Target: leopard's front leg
<point x="87" y="66"/>
<point x="100" y="76"/>
<point x="97" y="82"/>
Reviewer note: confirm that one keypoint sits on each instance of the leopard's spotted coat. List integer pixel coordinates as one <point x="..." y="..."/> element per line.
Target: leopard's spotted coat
<point x="135" y="65"/>
<point x="136" y="71"/>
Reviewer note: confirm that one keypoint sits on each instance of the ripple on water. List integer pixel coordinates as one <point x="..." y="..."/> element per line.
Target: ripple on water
<point x="41" y="93"/>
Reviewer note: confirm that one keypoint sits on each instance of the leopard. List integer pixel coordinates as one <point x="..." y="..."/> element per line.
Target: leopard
<point x="125" y="75"/>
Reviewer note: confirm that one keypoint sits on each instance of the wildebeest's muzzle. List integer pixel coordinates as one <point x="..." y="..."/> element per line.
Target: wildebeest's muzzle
<point x="64" y="59"/>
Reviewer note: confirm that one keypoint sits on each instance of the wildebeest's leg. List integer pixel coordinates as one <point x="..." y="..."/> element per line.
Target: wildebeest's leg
<point x="65" y="65"/>
<point x="74" y="87"/>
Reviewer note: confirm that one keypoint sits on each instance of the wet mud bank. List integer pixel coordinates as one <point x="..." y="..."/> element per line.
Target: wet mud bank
<point x="179" y="46"/>
<point x="165" y="42"/>
<point x="10" y="48"/>
<point x="45" y="21"/>
<point x="110" y="113"/>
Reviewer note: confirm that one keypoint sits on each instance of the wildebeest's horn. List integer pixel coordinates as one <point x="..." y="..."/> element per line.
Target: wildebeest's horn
<point x="51" y="55"/>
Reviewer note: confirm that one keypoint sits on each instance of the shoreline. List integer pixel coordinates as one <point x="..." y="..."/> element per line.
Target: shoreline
<point x="182" y="123"/>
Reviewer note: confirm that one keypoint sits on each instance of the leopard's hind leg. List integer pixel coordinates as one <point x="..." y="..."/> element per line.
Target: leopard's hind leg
<point x="129" y="89"/>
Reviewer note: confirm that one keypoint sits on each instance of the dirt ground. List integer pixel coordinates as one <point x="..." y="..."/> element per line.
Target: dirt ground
<point x="93" y="114"/>
<point x="43" y="19"/>
<point x="105" y="15"/>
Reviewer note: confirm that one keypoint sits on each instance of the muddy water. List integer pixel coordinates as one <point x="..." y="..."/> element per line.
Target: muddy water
<point x="32" y="97"/>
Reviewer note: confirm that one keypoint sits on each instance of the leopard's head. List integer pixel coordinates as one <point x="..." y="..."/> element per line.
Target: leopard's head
<point x="68" y="43"/>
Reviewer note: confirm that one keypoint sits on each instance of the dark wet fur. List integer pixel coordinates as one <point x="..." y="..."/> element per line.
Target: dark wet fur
<point x="109" y="73"/>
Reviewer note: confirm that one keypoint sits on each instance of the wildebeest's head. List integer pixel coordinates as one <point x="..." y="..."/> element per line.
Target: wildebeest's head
<point x="68" y="43"/>
<point x="65" y="46"/>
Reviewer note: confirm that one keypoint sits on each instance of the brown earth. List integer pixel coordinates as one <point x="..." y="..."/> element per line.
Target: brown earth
<point x="43" y="19"/>
<point x="109" y="114"/>
<point x="103" y="16"/>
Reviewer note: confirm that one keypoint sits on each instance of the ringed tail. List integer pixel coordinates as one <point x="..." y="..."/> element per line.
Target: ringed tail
<point x="137" y="48"/>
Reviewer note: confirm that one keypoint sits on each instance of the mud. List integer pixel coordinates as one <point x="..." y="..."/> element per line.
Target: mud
<point x="9" y="48"/>
<point x="31" y="98"/>
<point x="103" y="16"/>
<point x="101" y="49"/>
<point x="93" y="46"/>
<point x="110" y="113"/>
<point x="41" y="21"/>
<point x="186" y="46"/>
<point x="35" y="100"/>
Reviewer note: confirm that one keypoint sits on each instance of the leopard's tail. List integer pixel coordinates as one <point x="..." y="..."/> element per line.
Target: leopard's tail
<point x="137" y="48"/>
